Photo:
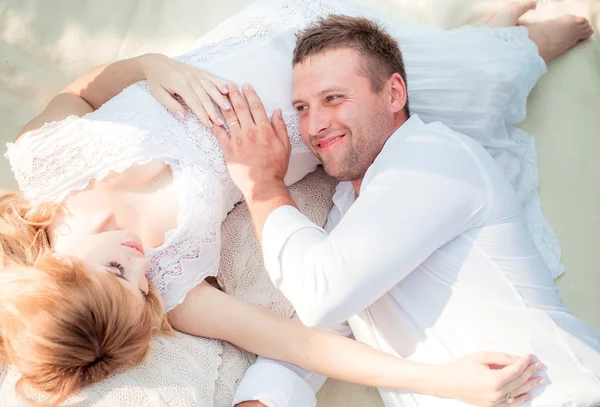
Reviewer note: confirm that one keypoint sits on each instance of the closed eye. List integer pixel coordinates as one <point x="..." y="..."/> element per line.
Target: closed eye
<point x="119" y="268"/>
<point x="121" y="274"/>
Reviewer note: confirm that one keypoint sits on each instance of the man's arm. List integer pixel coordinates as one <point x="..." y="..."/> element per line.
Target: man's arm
<point x="274" y="383"/>
<point x="416" y="197"/>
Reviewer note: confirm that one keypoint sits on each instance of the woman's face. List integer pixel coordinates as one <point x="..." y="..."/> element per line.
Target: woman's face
<point x="96" y="241"/>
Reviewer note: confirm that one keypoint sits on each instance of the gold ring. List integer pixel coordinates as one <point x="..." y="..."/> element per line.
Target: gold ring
<point x="232" y="123"/>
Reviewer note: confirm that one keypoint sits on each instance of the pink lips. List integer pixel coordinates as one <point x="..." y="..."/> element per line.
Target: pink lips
<point x="134" y="245"/>
<point x="327" y="144"/>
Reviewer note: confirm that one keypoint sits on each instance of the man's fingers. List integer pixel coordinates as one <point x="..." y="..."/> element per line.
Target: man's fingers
<point x="280" y="127"/>
<point x="222" y="137"/>
<point x="240" y="106"/>
<point x="256" y="107"/>
<point x="167" y="100"/>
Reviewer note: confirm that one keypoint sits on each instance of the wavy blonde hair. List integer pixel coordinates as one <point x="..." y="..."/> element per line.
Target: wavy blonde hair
<point x="62" y="326"/>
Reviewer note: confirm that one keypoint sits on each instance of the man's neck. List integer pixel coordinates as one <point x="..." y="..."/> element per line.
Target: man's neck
<point x="356" y="184"/>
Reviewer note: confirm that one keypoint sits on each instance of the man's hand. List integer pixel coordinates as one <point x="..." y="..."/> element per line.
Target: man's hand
<point x="252" y="403"/>
<point x="257" y="152"/>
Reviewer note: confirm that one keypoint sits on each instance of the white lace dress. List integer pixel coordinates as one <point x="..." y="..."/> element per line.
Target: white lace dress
<point x="475" y="80"/>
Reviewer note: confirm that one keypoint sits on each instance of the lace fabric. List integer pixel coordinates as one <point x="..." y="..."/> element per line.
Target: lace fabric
<point x="134" y="128"/>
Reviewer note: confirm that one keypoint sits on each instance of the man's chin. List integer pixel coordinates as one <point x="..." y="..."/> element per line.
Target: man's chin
<point x="336" y="173"/>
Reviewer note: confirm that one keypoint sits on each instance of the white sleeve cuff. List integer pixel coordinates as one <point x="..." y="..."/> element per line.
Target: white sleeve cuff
<point x="281" y="224"/>
<point x="275" y="386"/>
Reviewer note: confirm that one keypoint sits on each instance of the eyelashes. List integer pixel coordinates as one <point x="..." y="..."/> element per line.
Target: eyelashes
<point x="119" y="266"/>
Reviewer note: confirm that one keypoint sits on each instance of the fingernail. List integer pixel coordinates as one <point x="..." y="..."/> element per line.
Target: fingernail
<point x="226" y="106"/>
<point x="245" y="86"/>
<point x="542" y="380"/>
<point x="179" y="114"/>
<point x="225" y="90"/>
<point x="279" y="113"/>
<point x="221" y="121"/>
<point x="540" y="366"/>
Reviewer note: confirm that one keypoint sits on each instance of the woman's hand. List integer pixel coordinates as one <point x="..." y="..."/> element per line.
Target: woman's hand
<point x="197" y="88"/>
<point x="488" y="379"/>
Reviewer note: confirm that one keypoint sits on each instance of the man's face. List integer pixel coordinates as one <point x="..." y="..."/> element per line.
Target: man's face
<point x="343" y="122"/>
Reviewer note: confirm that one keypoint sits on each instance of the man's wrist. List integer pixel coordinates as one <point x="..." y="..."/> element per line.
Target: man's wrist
<point x="267" y="190"/>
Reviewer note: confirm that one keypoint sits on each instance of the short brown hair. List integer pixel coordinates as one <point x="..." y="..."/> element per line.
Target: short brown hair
<point x="380" y="49"/>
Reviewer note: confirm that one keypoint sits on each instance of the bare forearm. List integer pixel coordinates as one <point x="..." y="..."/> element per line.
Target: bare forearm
<point x="90" y="91"/>
<point x="264" y="199"/>
<point x="102" y="83"/>
<point x="207" y="312"/>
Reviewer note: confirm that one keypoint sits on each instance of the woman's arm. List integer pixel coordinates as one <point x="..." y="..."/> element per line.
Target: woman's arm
<point x="209" y="312"/>
<point x="165" y="76"/>
<point x="88" y="92"/>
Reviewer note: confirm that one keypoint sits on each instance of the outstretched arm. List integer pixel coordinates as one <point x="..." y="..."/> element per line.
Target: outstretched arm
<point x="209" y="312"/>
<point x="166" y="78"/>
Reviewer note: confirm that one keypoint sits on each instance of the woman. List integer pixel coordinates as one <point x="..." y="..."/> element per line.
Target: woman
<point x="130" y="176"/>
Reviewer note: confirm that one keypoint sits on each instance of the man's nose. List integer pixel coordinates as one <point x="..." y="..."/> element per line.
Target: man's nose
<point x="319" y="119"/>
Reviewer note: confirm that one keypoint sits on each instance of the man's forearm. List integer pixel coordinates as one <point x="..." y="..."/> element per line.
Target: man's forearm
<point x="263" y="200"/>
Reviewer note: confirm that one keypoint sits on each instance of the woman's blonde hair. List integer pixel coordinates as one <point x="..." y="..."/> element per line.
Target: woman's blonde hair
<point x="62" y="325"/>
<point x="23" y="229"/>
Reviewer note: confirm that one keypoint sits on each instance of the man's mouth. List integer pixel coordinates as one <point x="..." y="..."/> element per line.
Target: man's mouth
<point x="326" y="144"/>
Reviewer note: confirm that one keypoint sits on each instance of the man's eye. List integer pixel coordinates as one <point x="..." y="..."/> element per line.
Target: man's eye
<point x="333" y="97"/>
<point x="301" y="108"/>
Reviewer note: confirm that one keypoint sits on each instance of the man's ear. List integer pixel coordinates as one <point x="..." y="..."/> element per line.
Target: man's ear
<point x="398" y="94"/>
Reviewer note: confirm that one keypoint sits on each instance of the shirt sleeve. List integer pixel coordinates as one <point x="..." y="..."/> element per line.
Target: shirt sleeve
<point x="414" y="199"/>
<point x="280" y="384"/>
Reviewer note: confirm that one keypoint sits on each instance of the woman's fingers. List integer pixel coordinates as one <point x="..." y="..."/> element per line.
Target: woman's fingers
<point x="207" y="104"/>
<point x="517" y="401"/>
<point x="191" y="98"/>
<point x="526" y="387"/>
<point x="524" y="379"/>
<point x="515" y="370"/>
<point x="218" y="84"/>
<point x="166" y="99"/>
<point x="214" y="92"/>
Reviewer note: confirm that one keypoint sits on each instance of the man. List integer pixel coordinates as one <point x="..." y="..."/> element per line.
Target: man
<point x="426" y="253"/>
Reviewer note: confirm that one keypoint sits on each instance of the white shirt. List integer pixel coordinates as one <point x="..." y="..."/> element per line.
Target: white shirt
<point x="431" y="262"/>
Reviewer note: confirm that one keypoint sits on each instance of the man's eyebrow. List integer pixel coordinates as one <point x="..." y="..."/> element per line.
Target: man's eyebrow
<point x="324" y="92"/>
